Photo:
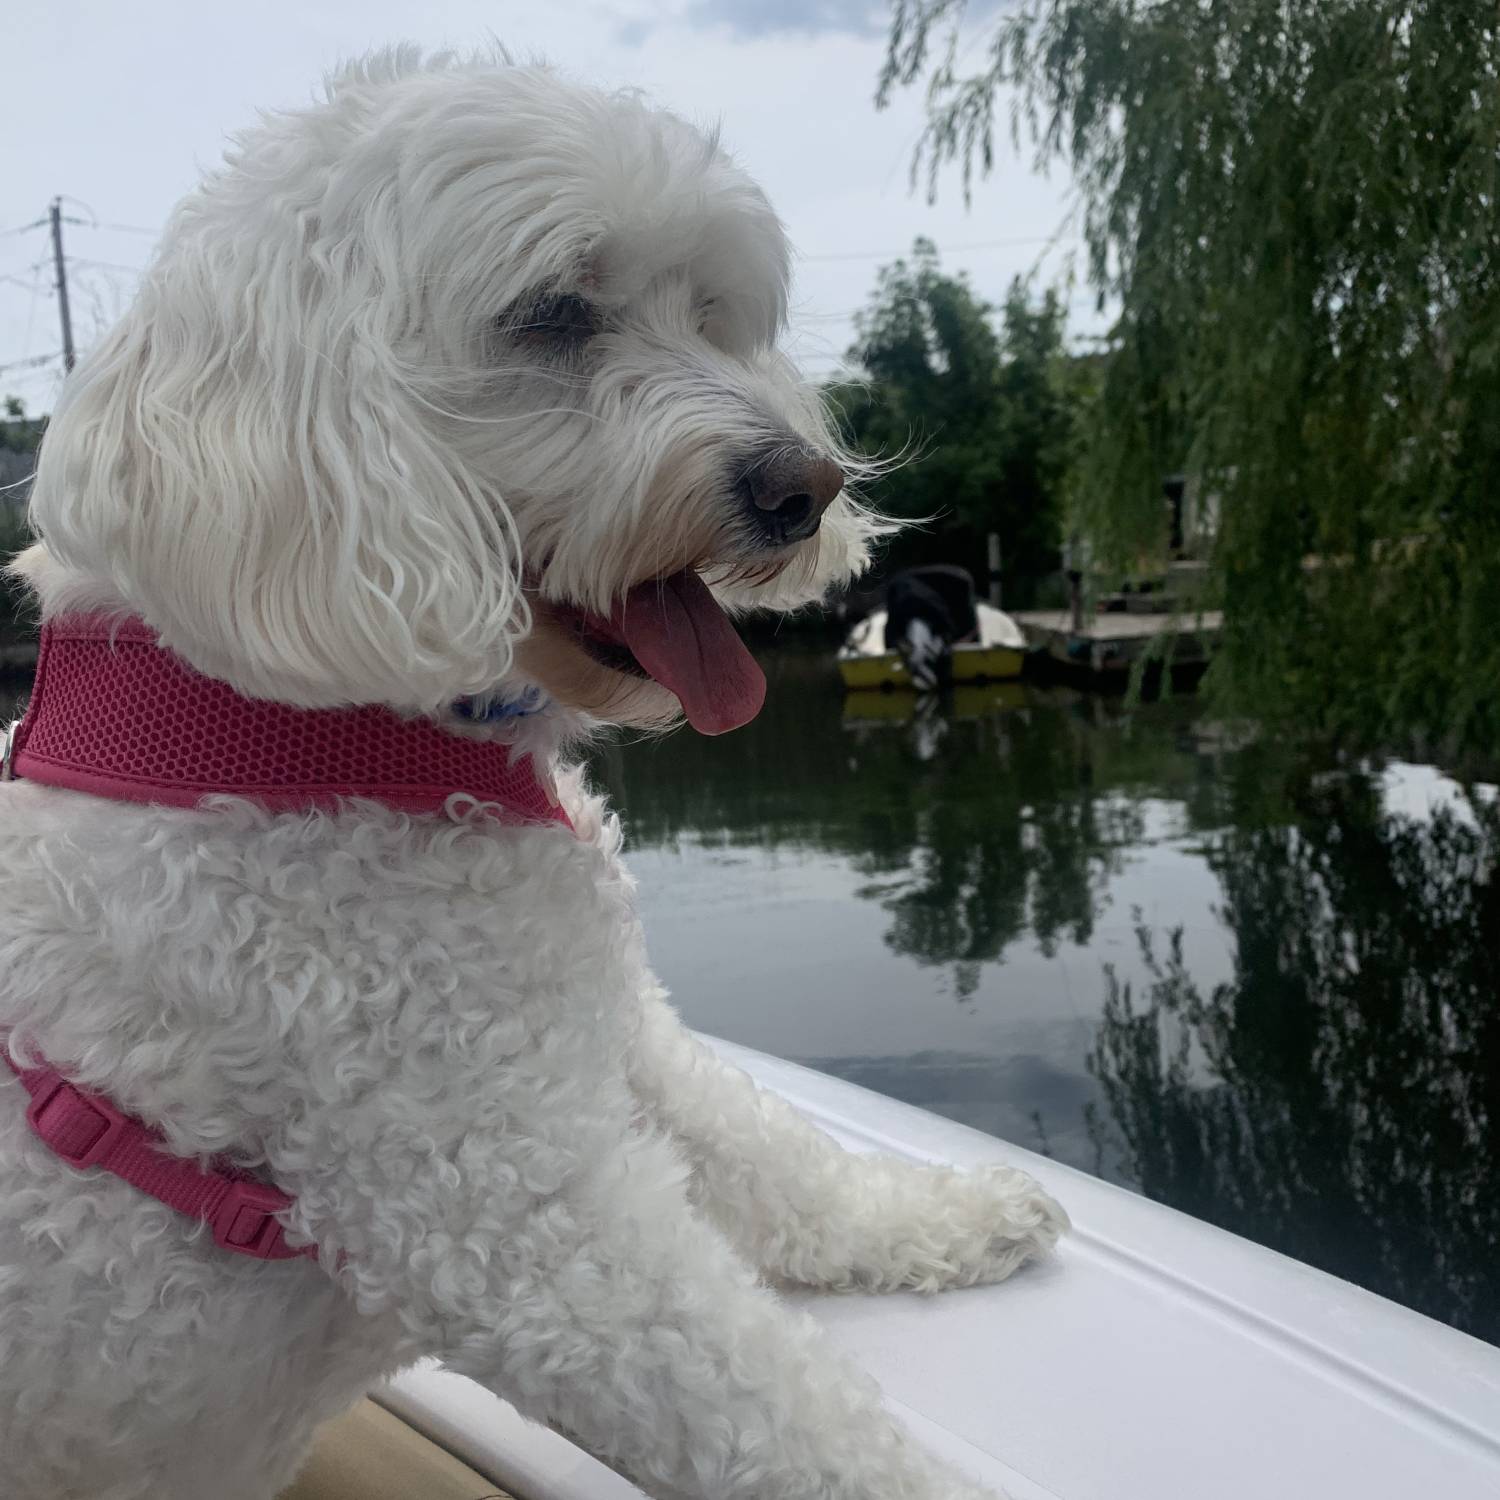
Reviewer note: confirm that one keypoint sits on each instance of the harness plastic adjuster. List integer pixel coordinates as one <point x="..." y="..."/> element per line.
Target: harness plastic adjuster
<point x="245" y="1221"/>
<point x="81" y="1128"/>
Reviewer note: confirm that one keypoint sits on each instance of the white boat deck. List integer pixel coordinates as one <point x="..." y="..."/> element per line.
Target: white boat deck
<point x="1117" y="625"/>
<point x="1154" y="1358"/>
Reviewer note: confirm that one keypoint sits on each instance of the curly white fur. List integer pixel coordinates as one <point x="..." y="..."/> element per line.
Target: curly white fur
<point x="317" y="458"/>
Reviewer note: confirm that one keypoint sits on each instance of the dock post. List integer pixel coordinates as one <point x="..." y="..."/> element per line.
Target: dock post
<point x="1073" y="565"/>
<point x="995" y="568"/>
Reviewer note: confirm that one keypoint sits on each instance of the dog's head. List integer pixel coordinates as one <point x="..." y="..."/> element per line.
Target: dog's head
<point x="465" y="375"/>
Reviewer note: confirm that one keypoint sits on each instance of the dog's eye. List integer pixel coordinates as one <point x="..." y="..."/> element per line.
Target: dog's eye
<point x="564" y="319"/>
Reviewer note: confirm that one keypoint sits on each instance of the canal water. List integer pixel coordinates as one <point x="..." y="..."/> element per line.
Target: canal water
<point x="1248" y="980"/>
<point x="1253" y="982"/>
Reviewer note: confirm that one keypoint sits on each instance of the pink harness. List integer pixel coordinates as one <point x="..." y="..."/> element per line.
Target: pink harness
<point x="115" y="714"/>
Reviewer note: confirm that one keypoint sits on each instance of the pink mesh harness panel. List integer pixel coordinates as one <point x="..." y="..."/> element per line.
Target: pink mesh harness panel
<point x="114" y="713"/>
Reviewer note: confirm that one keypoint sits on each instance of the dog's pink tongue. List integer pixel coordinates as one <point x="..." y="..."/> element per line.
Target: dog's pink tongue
<point x="677" y="632"/>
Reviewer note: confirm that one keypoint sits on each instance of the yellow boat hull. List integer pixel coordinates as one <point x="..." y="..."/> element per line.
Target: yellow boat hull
<point x="970" y="664"/>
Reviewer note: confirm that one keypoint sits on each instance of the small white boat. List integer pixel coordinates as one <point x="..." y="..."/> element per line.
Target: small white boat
<point x="997" y="655"/>
<point x="1154" y="1358"/>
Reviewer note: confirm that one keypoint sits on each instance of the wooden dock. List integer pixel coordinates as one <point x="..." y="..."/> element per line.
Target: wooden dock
<point x="1109" y="644"/>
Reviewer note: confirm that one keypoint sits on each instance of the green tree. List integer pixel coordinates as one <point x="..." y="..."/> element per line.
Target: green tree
<point x="1042" y="389"/>
<point x="1295" y="208"/>
<point x="19" y="439"/>
<point x="981" y="414"/>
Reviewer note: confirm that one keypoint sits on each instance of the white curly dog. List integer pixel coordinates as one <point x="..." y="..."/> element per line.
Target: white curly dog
<point x="450" y="389"/>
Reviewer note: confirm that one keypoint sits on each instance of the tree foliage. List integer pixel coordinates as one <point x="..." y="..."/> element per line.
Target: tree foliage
<point x="19" y="439"/>
<point x="983" y="414"/>
<point x="1295" y="207"/>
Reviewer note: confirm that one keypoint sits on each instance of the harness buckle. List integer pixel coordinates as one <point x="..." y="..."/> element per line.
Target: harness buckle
<point x="245" y="1221"/>
<point x="80" y="1127"/>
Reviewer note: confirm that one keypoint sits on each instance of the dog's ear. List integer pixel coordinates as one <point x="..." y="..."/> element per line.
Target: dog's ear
<point x="246" y="464"/>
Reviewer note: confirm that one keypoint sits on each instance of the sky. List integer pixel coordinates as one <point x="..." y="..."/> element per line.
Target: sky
<point x="120" y="108"/>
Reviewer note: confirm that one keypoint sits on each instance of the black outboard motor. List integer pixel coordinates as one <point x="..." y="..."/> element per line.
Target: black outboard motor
<point x="928" y="611"/>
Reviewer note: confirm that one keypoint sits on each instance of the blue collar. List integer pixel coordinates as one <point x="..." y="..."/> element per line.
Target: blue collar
<point x="484" y="709"/>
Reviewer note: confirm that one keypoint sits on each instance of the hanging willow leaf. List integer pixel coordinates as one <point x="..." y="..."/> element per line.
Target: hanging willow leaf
<point x="1293" y="207"/>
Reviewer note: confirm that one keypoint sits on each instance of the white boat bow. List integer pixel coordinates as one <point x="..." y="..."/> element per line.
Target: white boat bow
<point x="1154" y="1357"/>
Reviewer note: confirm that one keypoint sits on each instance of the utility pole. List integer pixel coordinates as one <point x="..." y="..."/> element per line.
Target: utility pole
<point x="69" y="357"/>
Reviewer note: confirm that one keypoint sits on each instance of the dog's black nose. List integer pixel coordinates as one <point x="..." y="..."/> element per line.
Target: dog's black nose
<point x="786" y="494"/>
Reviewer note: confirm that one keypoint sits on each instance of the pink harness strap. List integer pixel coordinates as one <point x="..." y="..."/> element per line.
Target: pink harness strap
<point x="87" y="1131"/>
<point x="115" y="714"/>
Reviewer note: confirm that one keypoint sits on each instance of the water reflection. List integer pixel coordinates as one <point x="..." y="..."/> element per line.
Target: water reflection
<point x="999" y="816"/>
<point x="1339" y="1096"/>
<point x="1248" y="981"/>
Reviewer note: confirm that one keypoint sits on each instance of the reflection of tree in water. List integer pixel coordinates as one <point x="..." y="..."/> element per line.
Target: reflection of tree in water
<point x="1007" y="822"/>
<point x="1340" y="1098"/>
<point x="990" y="846"/>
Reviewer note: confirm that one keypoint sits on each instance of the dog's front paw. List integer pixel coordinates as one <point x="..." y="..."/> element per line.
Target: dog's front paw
<point x="903" y="1227"/>
<point x="983" y="1226"/>
<point x="968" y="1227"/>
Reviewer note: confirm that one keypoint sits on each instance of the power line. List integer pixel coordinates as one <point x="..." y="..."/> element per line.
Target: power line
<point x="32" y="363"/>
<point x="93" y="223"/>
<point x="106" y="265"/>
<point x="840" y="255"/>
<point x="1076" y="300"/>
<point x="1008" y="241"/>
<point x="38" y="272"/>
<point x="56" y="218"/>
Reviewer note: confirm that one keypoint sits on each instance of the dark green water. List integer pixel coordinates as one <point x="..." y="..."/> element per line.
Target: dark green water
<point x="1251" y="982"/>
